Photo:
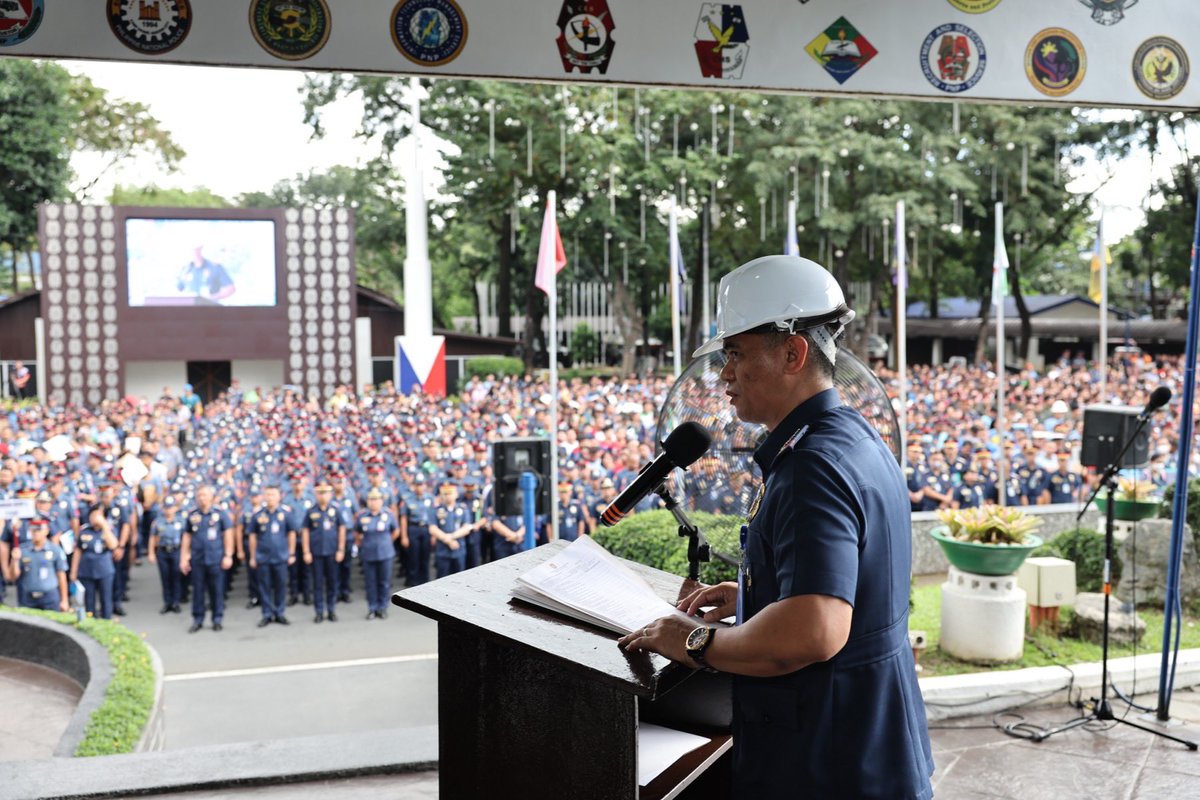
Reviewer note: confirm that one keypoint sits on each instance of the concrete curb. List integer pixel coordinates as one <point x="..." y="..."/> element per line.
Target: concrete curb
<point x="1002" y="690"/>
<point x="237" y="765"/>
<point x="67" y="651"/>
<point x="154" y="735"/>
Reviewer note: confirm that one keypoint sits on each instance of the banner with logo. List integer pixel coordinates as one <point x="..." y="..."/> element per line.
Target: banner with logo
<point x="1134" y="53"/>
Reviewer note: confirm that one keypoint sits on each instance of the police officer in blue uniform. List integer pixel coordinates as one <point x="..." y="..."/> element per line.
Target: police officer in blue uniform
<point x="166" y="539"/>
<point x="1062" y="485"/>
<point x="207" y="550"/>
<point x="297" y="503"/>
<point x="40" y="570"/>
<point x="375" y="532"/>
<point x="272" y="546"/>
<point x="344" y="500"/>
<point x="118" y="514"/>
<point x="92" y="564"/>
<point x="418" y="516"/>
<point x="914" y="476"/>
<point x="449" y="528"/>
<point x="970" y="493"/>
<point x="938" y="491"/>
<point x="826" y="702"/>
<point x="572" y="519"/>
<point x="324" y="544"/>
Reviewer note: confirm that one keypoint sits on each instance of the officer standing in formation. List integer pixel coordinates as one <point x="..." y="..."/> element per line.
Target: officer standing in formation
<point x="272" y="546"/>
<point x="92" y="563"/>
<point x="375" y="533"/>
<point x="419" y="514"/>
<point x="166" y="540"/>
<point x="324" y="545"/>
<point x="449" y="528"/>
<point x="40" y="570"/>
<point x="207" y="553"/>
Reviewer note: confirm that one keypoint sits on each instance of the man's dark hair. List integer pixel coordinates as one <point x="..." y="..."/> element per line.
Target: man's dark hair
<point x="817" y="357"/>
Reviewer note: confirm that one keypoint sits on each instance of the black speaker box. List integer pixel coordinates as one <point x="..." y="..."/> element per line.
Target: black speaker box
<point x="510" y="458"/>
<point x="1105" y="431"/>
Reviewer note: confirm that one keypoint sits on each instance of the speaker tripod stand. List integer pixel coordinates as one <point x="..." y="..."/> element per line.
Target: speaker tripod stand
<point x="1101" y="709"/>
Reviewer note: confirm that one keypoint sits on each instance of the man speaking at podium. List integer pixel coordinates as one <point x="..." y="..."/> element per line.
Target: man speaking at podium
<point x="826" y="701"/>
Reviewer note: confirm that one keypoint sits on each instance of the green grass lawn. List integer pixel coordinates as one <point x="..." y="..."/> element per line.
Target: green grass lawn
<point x="1041" y="650"/>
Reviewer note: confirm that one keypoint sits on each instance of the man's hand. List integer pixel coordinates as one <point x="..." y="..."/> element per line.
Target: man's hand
<point x="253" y="562"/>
<point x="404" y="542"/>
<point x="723" y="596"/>
<point x="453" y="544"/>
<point x="308" y="558"/>
<point x="64" y="604"/>
<point x="185" y="565"/>
<point x="119" y="553"/>
<point x="227" y="562"/>
<point x="153" y="558"/>
<point x="291" y="559"/>
<point x="340" y="555"/>
<point x="666" y="636"/>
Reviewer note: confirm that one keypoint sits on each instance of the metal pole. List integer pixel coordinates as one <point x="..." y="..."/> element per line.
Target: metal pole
<point x="1166" y="680"/>
<point x="902" y="327"/>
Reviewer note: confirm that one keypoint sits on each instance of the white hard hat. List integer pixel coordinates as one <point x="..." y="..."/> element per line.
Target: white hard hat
<point x="792" y="292"/>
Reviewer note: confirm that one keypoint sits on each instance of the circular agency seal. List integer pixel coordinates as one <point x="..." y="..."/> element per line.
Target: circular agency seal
<point x="1160" y="68"/>
<point x="974" y="6"/>
<point x="1055" y="62"/>
<point x="151" y="27"/>
<point x="19" y="20"/>
<point x="429" y="32"/>
<point x="290" y="29"/>
<point x="953" y="58"/>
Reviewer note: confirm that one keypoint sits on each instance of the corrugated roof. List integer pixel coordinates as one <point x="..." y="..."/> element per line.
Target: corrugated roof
<point x="968" y="307"/>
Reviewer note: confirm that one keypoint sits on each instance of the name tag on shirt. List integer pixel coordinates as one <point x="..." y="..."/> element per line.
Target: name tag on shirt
<point x="212" y="534"/>
<point x="43" y="574"/>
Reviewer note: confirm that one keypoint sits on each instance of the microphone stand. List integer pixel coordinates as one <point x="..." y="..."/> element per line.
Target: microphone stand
<point x="698" y="548"/>
<point x="1101" y="710"/>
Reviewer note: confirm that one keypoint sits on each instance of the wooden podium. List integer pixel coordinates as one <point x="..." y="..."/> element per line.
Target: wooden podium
<point x="532" y="704"/>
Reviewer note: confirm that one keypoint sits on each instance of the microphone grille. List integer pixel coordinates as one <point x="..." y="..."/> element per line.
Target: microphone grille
<point x="687" y="443"/>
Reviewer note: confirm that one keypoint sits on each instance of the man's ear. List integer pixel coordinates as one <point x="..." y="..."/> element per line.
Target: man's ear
<point x="796" y="354"/>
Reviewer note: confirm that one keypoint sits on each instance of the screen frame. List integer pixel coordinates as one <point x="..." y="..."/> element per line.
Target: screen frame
<point x="197" y="332"/>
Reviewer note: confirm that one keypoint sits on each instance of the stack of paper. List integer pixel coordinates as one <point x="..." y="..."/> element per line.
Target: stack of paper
<point x="586" y="583"/>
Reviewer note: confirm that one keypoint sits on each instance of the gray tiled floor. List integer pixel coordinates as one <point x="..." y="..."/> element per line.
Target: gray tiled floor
<point x="29" y="692"/>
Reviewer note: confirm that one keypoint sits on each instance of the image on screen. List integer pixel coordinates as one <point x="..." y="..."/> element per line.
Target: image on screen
<point x="200" y="262"/>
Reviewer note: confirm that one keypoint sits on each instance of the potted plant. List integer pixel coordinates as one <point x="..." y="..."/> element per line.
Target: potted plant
<point x="988" y="540"/>
<point x="1134" y="500"/>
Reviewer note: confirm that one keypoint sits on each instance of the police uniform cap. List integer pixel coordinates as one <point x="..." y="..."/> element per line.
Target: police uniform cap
<point x="374" y="494"/>
<point x="170" y="502"/>
<point x="607" y="484"/>
<point x="44" y="497"/>
<point x="323" y="486"/>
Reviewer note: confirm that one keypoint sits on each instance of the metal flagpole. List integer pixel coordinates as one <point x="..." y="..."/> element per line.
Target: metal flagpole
<point x="673" y="251"/>
<point x="1102" y="356"/>
<point x="999" y="290"/>
<point x="552" y="299"/>
<point x="901" y="312"/>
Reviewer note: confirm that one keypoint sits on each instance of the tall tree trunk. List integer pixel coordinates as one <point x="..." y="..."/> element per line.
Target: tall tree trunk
<point x="12" y="249"/>
<point x="1014" y="288"/>
<point x="628" y="322"/>
<point x="478" y="305"/>
<point x="504" y="266"/>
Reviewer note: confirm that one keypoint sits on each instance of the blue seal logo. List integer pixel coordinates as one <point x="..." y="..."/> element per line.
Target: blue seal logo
<point x="953" y="58"/>
<point x="19" y="20"/>
<point x="429" y="32"/>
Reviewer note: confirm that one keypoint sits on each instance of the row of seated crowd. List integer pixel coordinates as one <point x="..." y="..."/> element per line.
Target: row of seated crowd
<point x="293" y="492"/>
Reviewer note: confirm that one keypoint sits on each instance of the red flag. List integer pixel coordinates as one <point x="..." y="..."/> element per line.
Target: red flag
<point x="551" y="255"/>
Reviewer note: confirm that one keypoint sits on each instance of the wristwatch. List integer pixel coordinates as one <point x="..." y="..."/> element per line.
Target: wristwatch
<point x="698" y="641"/>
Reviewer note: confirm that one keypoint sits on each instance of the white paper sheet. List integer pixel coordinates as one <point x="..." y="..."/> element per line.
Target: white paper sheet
<point x="659" y="748"/>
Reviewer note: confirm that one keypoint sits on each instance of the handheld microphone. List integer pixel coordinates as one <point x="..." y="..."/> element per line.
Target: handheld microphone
<point x="685" y="444"/>
<point x="1158" y="398"/>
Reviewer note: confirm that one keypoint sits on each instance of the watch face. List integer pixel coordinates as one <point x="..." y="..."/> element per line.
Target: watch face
<point x="697" y="638"/>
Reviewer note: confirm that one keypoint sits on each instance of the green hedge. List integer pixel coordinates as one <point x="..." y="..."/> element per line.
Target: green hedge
<point x="652" y="538"/>
<point x="117" y="725"/>
<point x="495" y="365"/>
<point x="1086" y="548"/>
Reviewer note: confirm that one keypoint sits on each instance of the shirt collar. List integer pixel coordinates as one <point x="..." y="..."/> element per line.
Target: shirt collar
<point x="801" y="416"/>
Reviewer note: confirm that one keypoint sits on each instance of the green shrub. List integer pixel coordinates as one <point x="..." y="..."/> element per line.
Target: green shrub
<point x="584" y="344"/>
<point x="1166" y="510"/>
<point x="1085" y="547"/>
<point x="117" y="724"/>
<point x="652" y="538"/>
<point x="495" y="365"/>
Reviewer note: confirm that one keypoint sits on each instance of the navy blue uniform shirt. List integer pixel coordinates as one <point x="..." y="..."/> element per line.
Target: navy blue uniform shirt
<point x="95" y="559"/>
<point x="323" y="527"/>
<point x="270" y="529"/>
<point x="208" y="535"/>
<point x="376" y="530"/>
<point x="833" y="520"/>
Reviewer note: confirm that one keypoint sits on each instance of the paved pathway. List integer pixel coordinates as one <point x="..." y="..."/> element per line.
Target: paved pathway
<point x="247" y="683"/>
